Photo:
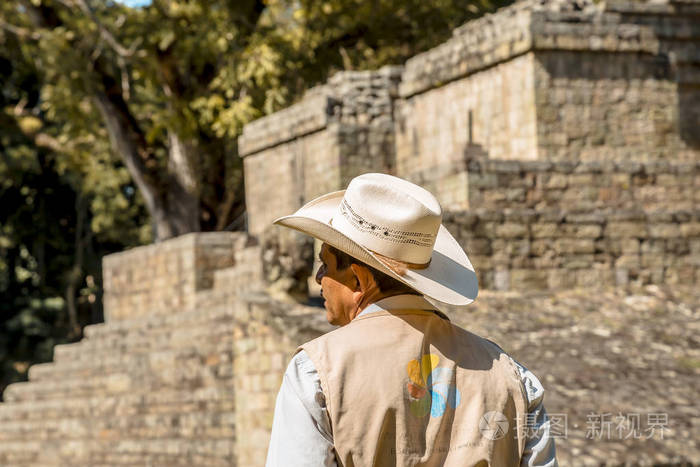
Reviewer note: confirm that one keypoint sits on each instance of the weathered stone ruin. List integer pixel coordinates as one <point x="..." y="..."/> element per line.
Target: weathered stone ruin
<point x="562" y="139"/>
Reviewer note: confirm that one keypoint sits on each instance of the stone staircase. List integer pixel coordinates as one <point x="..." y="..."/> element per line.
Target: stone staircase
<point x="145" y="389"/>
<point x="129" y="392"/>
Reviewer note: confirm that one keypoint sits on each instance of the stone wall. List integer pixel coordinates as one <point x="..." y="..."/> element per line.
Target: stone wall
<point x="338" y="131"/>
<point x="650" y="186"/>
<point x="148" y="281"/>
<point x="542" y="80"/>
<point x="524" y="249"/>
<point x="492" y="111"/>
<point x="604" y="106"/>
<point x="263" y="348"/>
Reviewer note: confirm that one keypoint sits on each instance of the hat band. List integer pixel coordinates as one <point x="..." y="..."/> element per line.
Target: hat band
<point x="407" y="237"/>
<point x="397" y="265"/>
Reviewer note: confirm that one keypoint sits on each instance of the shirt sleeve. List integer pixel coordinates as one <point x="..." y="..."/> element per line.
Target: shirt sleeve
<point x="539" y="443"/>
<point x="301" y="433"/>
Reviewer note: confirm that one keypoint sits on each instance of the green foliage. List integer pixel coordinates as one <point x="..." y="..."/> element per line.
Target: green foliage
<point x="47" y="198"/>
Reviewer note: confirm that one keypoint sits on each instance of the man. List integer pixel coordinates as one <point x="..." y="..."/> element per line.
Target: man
<point x="398" y="383"/>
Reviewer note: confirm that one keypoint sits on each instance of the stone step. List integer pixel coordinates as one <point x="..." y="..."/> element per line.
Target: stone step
<point x="116" y="383"/>
<point x="89" y="349"/>
<point x="219" y="397"/>
<point x="135" y="451"/>
<point x="245" y="276"/>
<point x="185" y="372"/>
<point x="178" y="318"/>
<point x="213" y="353"/>
<point x="200" y="424"/>
<point x="20" y="453"/>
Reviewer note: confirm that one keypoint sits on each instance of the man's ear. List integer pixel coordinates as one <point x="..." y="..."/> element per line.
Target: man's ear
<point x="364" y="278"/>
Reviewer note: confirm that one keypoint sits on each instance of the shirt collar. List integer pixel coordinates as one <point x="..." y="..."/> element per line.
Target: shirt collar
<point x="401" y="302"/>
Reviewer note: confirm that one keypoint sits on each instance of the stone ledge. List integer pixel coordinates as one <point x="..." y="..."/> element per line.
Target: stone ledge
<point x="484" y="165"/>
<point x="597" y="216"/>
<point x="307" y="116"/>
<point x="183" y="241"/>
<point x="531" y="25"/>
<point x="347" y="92"/>
<point x="474" y="46"/>
<point x="666" y="7"/>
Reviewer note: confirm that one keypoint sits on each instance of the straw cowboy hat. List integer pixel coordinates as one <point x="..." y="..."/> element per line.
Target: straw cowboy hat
<point x="384" y="221"/>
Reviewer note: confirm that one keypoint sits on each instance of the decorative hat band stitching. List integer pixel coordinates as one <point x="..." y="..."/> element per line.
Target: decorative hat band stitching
<point x="425" y="240"/>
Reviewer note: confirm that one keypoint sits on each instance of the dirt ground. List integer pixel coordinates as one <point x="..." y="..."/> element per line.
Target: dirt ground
<point x="620" y="367"/>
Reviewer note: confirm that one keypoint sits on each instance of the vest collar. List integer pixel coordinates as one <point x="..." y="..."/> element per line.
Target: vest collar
<point x="402" y="302"/>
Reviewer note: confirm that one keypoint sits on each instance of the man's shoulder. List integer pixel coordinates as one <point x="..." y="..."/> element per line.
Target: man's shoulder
<point x="474" y="339"/>
<point x="532" y="386"/>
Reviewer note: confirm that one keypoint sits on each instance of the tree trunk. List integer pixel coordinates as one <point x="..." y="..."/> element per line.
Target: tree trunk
<point x="76" y="273"/>
<point x="183" y="196"/>
<point x="171" y="199"/>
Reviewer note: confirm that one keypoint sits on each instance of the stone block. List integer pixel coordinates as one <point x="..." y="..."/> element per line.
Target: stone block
<point x="691" y="229"/>
<point x="577" y="261"/>
<point x="621" y="276"/>
<point x="680" y="275"/>
<point x="511" y="230"/>
<point x="652" y="261"/>
<point x="626" y="229"/>
<point x="521" y="279"/>
<point x="628" y="262"/>
<point x="566" y="246"/>
<point x="682" y="217"/>
<point x="581" y="230"/>
<point x="547" y="261"/>
<point x="553" y="180"/>
<point x="585" y="218"/>
<point x="481" y="262"/>
<point x="585" y="179"/>
<point x="677" y="247"/>
<point x="593" y="278"/>
<point x="622" y="180"/>
<point x="478" y="246"/>
<point x="501" y="279"/>
<point x="540" y="247"/>
<point x="630" y="246"/>
<point x="551" y="215"/>
<point x="558" y="279"/>
<point x="545" y="230"/>
<point x="670" y="230"/>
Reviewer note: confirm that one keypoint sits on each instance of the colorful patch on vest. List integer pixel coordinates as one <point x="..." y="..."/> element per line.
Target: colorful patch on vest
<point x="430" y="389"/>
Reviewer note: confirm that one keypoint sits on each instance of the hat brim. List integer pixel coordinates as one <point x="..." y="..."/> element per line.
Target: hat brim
<point x="449" y="278"/>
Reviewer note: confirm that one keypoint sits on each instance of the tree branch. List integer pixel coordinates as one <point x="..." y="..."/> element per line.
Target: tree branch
<point x="20" y="32"/>
<point x="105" y="34"/>
<point x="47" y="141"/>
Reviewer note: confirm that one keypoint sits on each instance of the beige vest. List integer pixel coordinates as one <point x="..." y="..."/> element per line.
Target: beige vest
<point x="406" y="387"/>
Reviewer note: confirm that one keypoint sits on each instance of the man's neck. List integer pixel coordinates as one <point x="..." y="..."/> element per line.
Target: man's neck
<point x="397" y="301"/>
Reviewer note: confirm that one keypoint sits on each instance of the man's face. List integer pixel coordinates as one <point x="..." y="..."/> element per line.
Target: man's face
<point x="336" y="288"/>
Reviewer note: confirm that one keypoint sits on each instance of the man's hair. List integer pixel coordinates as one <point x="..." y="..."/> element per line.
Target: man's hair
<point x="385" y="282"/>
